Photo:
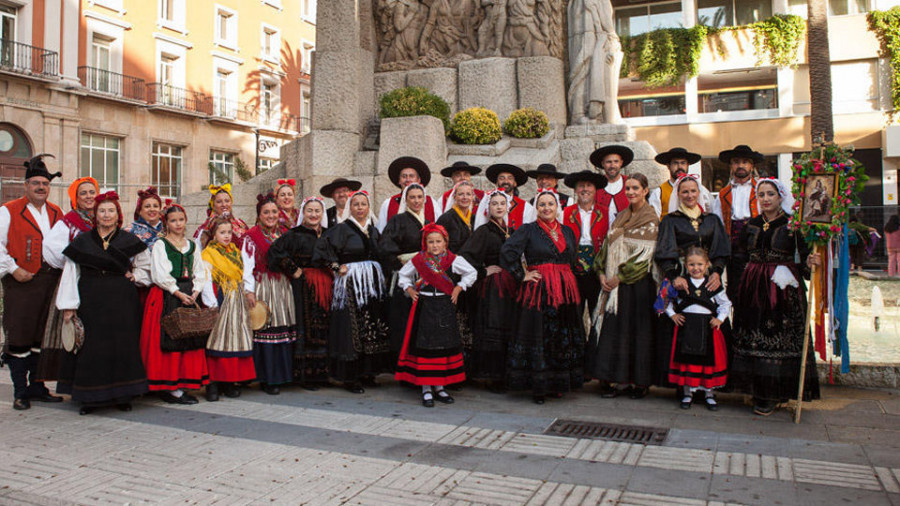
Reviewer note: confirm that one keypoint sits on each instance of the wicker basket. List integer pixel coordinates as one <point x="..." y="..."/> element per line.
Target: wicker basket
<point x="190" y="322"/>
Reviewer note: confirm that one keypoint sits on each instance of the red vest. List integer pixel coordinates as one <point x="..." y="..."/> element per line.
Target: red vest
<point x="599" y="224"/>
<point x="24" y="240"/>
<point x="603" y="199"/>
<point x="516" y="212"/>
<point x="725" y="201"/>
<point x="478" y="196"/>
<point x="394" y="206"/>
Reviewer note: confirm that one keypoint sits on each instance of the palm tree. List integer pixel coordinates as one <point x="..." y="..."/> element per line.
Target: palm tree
<point x="821" y="121"/>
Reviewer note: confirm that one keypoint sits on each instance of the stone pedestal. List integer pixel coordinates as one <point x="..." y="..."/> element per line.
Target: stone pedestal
<point x="490" y="83"/>
<point x="440" y="81"/>
<point x="419" y="136"/>
<point x="336" y="91"/>
<point x="542" y="86"/>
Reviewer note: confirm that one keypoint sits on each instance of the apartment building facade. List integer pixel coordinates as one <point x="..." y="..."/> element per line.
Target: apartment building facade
<point x="735" y="101"/>
<point x="138" y="93"/>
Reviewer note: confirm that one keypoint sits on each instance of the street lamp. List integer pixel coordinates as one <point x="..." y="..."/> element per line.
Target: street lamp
<point x="256" y="144"/>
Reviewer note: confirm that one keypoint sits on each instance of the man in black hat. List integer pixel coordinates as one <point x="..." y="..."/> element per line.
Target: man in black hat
<point x="339" y="191"/>
<point x="403" y="172"/>
<point x="611" y="160"/>
<point x="508" y="177"/>
<point x="736" y="205"/>
<point x="461" y="171"/>
<point x="548" y="176"/>
<point x="28" y="281"/>
<point x="590" y="226"/>
<point x="677" y="160"/>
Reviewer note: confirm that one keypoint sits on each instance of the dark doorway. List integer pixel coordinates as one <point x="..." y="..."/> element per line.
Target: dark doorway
<point x="15" y="148"/>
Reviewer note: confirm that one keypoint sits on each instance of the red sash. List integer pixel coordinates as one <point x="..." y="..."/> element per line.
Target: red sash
<point x="76" y="224"/>
<point x="439" y="279"/>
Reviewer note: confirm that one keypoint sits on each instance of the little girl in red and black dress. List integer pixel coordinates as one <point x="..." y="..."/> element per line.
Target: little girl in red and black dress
<point x="431" y="356"/>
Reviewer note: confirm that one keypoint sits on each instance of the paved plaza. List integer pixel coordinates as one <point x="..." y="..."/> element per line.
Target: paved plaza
<point x="333" y="447"/>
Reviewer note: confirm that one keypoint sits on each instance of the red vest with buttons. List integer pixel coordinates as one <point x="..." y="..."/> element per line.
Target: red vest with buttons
<point x="24" y="240"/>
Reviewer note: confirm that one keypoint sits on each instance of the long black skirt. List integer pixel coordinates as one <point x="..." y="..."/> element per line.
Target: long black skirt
<point x="768" y="342"/>
<point x="546" y="353"/>
<point x="493" y="318"/>
<point x="625" y="351"/>
<point x="311" y="346"/>
<point x="358" y="340"/>
<point x="108" y="368"/>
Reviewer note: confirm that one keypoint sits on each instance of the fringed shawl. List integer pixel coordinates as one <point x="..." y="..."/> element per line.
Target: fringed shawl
<point x="632" y="239"/>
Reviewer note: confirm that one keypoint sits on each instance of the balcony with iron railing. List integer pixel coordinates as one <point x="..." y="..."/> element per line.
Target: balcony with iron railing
<point x="117" y="85"/>
<point x="160" y="94"/>
<point x="233" y="110"/>
<point x="28" y="60"/>
<point x="276" y="120"/>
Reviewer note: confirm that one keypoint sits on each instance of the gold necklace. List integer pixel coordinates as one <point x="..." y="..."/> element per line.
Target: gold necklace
<point x="766" y="222"/>
<point x="107" y="239"/>
<point x="504" y="229"/>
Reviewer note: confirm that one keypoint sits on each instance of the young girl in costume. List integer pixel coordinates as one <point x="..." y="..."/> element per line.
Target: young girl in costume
<point x="229" y="349"/>
<point x="699" y="358"/>
<point x="431" y="356"/>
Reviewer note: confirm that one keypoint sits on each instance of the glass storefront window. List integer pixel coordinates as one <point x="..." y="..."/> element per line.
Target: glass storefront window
<point x="739" y="100"/>
<point x="652" y="106"/>
<point x="632" y="21"/>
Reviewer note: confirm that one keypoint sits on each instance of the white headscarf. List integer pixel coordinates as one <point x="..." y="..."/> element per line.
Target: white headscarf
<point x="324" y="221"/>
<point x="345" y="215"/>
<point x="402" y="209"/>
<point x="787" y="198"/>
<point x="483" y="214"/>
<point x="451" y="199"/>
<point x="705" y="199"/>
<point x="550" y="191"/>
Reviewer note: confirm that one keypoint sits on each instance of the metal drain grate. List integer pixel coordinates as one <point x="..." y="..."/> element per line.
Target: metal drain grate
<point x="608" y="432"/>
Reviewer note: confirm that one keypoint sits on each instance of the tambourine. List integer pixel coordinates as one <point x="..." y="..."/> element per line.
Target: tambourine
<point x="72" y="334"/>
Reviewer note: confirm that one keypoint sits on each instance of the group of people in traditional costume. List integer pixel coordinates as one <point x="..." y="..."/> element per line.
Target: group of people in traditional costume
<point x="680" y="289"/>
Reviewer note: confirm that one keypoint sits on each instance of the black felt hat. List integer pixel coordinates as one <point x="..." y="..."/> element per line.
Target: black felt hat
<point x="35" y="167"/>
<point x="677" y="154"/>
<point x="599" y="154"/>
<point x="590" y="176"/>
<point x="409" y="162"/>
<point x="328" y="190"/>
<point x="495" y="170"/>
<point x="460" y="166"/>
<point x="741" y="151"/>
<point x="546" y="169"/>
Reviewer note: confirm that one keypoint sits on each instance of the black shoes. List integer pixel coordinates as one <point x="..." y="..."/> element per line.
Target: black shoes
<point x="711" y="404"/>
<point x="764" y="408"/>
<point x="686" y="402"/>
<point x="231" y="390"/>
<point x="46" y="397"/>
<point x="638" y="392"/>
<point x="185" y="399"/>
<point x="444" y="397"/>
<point x="212" y="392"/>
<point x="354" y="388"/>
<point x="271" y="389"/>
<point x="428" y="400"/>
<point x="21" y="404"/>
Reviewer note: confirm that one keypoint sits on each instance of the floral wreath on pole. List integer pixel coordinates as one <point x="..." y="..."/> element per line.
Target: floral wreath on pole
<point x="849" y="180"/>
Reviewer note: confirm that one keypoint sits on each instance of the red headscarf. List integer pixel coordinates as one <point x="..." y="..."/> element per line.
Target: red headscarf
<point x="432" y="228"/>
<point x="109" y="196"/>
<point x="149" y="193"/>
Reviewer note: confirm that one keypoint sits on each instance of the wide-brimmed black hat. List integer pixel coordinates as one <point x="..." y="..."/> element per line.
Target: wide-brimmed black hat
<point x="35" y="167"/>
<point x="572" y="180"/>
<point x="741" y="151"/>
<point x="599" y="154"/>
<point x="409" y="162"/>
<point x="546" y="169"/>
<point x="460" y="166"/>
<point x="328" y="190"/>
<point x="495" y="170"/>
<point x="677" y="154"/>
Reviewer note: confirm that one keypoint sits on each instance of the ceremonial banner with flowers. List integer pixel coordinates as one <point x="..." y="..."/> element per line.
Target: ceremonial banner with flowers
<point x="826" y="182"/>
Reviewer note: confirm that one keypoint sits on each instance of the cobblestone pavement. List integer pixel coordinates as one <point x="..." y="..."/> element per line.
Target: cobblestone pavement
<point x="333" y="447"/>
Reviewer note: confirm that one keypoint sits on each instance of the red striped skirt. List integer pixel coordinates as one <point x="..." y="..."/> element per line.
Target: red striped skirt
<point x="707" y="376"/>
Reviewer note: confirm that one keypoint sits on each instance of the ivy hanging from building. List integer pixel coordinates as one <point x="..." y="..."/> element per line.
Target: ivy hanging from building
<point x="776" y="40"/>
<point x="886" y="27"/>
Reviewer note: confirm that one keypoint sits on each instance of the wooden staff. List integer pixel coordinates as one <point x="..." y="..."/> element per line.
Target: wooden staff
<point x="806" y="336"/>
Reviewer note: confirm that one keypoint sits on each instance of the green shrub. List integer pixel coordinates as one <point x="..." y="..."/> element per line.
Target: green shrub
<point x="476" y="125"/>
<point x="414" y="101"/>
<point x="527" y="123"/>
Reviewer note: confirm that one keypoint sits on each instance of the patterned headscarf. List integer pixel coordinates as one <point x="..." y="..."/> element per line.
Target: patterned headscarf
<point x="143" y="195"/>
<point x="215" y="190"/>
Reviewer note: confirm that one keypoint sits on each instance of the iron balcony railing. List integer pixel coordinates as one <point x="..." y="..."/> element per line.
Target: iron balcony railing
<point x="179" y="98"/>
<point x="119" y="85"/>
<point x="283" y="121"/>
<point x="29" y="60"/>
<point x="232" y="109"/>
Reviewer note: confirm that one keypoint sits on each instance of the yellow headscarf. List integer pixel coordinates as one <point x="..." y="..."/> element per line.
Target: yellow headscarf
<point x="227" y="266"/>
<point x="214" y="190"/>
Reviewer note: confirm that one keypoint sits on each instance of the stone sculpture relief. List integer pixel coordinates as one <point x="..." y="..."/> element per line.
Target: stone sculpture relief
<point x="595" y="57"/>
<point x="441" y="33"/>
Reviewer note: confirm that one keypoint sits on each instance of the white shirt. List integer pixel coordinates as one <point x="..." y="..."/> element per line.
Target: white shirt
<point x="55" y="242"/>
<point x="161" y="268"/>
<point x="68" y="297"/>
<point x="585" y="239"/>
<point x="8" y="264"/>
<point x="530" y="214"/>
<point x="383" y="212"/>
<point x="249" y="259"/>
<point x="723" y="304"/>
<point x="406" y="278"/>
<point x="740" y="201"/>
<point x="614" y="189"/>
